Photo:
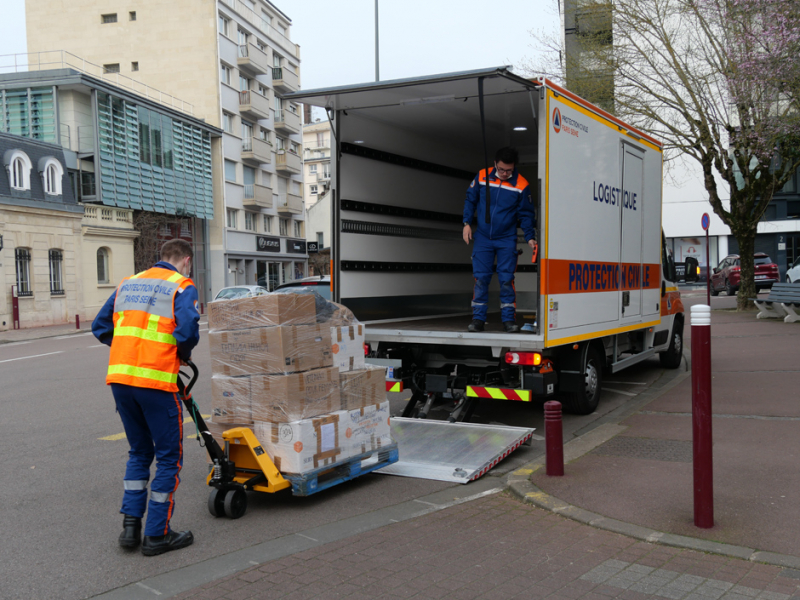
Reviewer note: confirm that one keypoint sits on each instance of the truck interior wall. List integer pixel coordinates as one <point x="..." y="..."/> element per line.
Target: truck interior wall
<point x="396" y="265"/>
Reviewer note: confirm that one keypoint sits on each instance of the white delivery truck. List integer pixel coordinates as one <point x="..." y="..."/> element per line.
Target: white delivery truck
<point x="600" y="296"/>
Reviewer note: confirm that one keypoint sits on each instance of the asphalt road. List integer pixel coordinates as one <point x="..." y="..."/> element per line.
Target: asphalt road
<point x="64" y="456"/>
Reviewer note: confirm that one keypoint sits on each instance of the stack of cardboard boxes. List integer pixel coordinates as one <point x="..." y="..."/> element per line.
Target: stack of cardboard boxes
<point x="300" y="384"/>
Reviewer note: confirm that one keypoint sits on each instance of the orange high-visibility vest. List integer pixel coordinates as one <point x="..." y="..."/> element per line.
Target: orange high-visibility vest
<point x="144" y="352"/>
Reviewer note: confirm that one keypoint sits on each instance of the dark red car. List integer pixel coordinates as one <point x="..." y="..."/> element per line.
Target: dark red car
<point x="727" y="276"/>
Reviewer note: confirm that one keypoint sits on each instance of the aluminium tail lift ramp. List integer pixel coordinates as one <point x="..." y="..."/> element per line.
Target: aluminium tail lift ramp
<point x="456" y="452"/>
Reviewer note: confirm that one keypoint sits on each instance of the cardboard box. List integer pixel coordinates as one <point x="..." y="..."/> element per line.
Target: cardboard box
<point x="284" y="398"/>
<point x="367" y="429"/>
<point x="362" y="388"/>
<point x="347" y="346"/>
<point x="268" y="310"/>
<point x="302" y="446"/>
<point x="270" y="350"/>
<point x="230" y="399"/>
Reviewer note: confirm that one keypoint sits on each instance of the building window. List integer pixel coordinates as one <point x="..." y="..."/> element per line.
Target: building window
<point x="22" y="258"/>
<point x="224" y="25"/>
<point x="225" y="74"/>
<point x="261" y="46"/>
<point x="242" y="36"/>
<point x="281" y="142"/>
<point x="52" y="175"/>
<point x="56" y="281"/>
<point x="313" y="190"/>
<point x="244" y="84"/>
<point x="132" y="15"/>
<point x="19" y="167"/>
<point x="109" y="18"/>
<point x="247" y="132"/>
<point x="263" y="134"/>
<point x="250" y="221"/>
<point x="312" y="168"/>
<point x="267" y="224"/>
<point x="230" y="170"/>
<point x="232" y="218"/>
<point x="283" y="227"/>
<point x="298" y="229"/>
<point x="135" y="65"/>
<point x="102" y="265"/>
<point x="320" y="238"/>
<point x="227" y="122"/>
<point x="263" y="91"/>
<point x="111" y="68"/>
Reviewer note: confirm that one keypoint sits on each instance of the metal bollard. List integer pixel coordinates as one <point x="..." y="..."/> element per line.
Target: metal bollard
<point x="77" y="321"/>
<point x="701" y="417"/>
<point x="553" y="438"/>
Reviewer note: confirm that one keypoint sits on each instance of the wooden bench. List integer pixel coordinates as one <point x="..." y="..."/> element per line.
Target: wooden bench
<point x="783" y="302"/>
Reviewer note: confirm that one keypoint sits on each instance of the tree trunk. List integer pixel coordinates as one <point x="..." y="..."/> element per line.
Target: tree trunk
<point x="747" y="286"/>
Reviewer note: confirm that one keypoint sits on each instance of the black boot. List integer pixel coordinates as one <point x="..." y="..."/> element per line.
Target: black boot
<point x="174" y="540"/>
<point x="475" y="326"/>
<point x="510" y="327"/>
<point x="131" y="534"/>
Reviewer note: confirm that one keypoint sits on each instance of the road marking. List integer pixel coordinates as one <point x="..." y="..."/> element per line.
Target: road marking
<point x="305" y="536"/>
<point x="631" y="394"/>
<point x="34" y="356"/>
<point x="121" y="436"/>
<point x="97" y="346"/>
<point x="13" y="344"/>
<point x="423" y="502"/>
<point x="71" y="335"/>
<point x="626" y="382"/>
<point x="149" y="589"/>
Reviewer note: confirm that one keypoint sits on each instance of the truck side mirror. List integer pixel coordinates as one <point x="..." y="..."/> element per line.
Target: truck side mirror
<point x="692" y="270"/>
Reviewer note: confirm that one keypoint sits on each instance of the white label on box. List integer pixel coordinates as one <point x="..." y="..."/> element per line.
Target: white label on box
<point x="328" y="433"/>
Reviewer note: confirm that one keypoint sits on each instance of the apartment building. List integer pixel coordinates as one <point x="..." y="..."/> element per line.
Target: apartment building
<point x="316" y="160"/>
<point x="140" y="170"/>
<point x="233" y="59"/>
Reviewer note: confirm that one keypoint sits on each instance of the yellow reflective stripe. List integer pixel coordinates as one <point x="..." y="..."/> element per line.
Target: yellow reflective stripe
<point x="145" y="334"/>
<point x="143" y="373"/>
<point x="471" y="392"/>
<point x="152" y="322"/>
<point x="496" y="393"/>
<point x="175" y="277"/>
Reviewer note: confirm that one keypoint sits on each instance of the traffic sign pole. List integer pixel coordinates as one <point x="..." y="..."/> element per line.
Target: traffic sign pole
<point x="705" y="222"/>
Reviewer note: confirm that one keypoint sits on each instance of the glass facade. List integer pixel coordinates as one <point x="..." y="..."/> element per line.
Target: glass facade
<point x="29" y="112"/>
<point x="150" y="161"/>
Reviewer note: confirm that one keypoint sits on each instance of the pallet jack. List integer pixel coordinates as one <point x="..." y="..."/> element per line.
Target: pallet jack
<point x="243" y="465"/>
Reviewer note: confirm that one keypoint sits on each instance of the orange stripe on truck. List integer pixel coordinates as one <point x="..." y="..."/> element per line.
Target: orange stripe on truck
<point x="581" y="277"/>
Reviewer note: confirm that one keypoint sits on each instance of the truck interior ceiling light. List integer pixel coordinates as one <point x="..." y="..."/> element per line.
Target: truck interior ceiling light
<point x="524" y="358"/>
<point x="520" y="128"/>
<point x="358" y="142"/>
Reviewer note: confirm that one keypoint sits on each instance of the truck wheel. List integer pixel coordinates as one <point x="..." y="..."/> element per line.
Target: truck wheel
<point x="672" y="356"/>
<point x="585" y="402"/>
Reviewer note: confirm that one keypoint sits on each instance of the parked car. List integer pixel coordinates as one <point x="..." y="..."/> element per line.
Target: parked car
<point x="793" y="274"/>
<point x="727" y="276"/>
<point x="240" y="291"/>
<point x="321" y="285"/>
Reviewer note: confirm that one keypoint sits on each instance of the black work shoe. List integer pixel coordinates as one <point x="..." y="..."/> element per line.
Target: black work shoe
<point x="131" y="535"/>
<point x="475" y="326"/>
<point x="174" y="540"/>
<point x="510" y="327"/>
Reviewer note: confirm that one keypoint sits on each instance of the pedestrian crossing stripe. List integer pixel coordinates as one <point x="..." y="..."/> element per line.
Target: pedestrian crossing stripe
<point x="475" y="391"/>
<point x="394" y="386"/>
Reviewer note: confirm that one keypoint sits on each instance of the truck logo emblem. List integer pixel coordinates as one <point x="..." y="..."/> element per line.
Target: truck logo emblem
<point x="556" y="120"/>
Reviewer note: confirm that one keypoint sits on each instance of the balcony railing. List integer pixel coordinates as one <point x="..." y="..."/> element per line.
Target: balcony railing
<point x="253" y="105"/>
<point x="290" y="204"/>
<point x="257" y="196"/>
<point x="284" y="79"/>
<point x="287" y="121"/>
<point x="288" y="161"/>
<point x="253" y="60"/>
<point x="256" y="151"/>
<point x="107" y="217"/>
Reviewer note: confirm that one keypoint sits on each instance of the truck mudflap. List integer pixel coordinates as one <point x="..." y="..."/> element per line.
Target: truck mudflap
<point x="456" y="452"/>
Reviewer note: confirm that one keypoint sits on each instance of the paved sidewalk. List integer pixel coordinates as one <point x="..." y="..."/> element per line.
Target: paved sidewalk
<point x="497" y="547"/>
<point x="36" y="333"/>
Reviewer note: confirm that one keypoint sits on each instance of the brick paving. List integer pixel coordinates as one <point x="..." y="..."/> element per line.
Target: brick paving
<point x="496" y="547"/>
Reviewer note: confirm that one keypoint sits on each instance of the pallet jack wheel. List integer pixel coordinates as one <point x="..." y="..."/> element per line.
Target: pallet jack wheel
<point x="235" y="503"/>
<point x="216" y="502"/>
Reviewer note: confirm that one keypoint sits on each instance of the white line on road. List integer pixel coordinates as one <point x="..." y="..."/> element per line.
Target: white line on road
<point x="423" y="502"/>
<point x="631" y="394"/>
<point x="305" y="536"/>
<point x="149" y="589"/>
<point x="97" y="346"/>
<point x="34" y="356"/>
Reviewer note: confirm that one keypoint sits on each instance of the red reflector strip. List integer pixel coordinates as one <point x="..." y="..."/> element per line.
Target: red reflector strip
<point x="475" y="391"/>
<point x="394" y="386"/>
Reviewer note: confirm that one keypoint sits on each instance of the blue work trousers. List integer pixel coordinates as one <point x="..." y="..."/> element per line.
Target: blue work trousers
<point x="153" y="421"/>
<point x="484" y="252"/>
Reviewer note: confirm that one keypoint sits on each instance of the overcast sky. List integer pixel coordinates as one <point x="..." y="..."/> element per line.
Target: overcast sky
<point x="417" y="37"/>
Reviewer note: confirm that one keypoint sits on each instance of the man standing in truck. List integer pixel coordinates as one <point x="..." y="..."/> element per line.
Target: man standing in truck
<point x="496" y="234"/>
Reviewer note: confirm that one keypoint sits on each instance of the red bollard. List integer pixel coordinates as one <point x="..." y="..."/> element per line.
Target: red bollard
<point x="77" y="321"/>
<point x="553" y="439"/>
<point x="701" y="417"/>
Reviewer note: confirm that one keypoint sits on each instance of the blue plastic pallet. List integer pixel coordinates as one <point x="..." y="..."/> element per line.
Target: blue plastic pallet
<point x="326" y="477"/>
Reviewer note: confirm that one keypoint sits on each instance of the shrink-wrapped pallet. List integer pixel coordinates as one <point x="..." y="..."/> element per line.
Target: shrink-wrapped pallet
<point x="305" y="445"/>
<point x="268" y="310"/>
<point x="363" y="387"/>
<point x="284" y="398"/>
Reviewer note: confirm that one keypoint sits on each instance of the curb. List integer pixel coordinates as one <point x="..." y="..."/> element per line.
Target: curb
<point x="45" y="336"/>
<point x="602" y="430"/>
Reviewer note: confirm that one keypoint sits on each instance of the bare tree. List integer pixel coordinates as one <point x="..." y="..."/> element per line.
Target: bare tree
<point x="715" y="80"/>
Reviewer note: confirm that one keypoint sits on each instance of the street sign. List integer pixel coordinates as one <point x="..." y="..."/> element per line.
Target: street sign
<point x="296" y="246"/>
<point x="312" y="247"/>
<point x="705" y="221"/>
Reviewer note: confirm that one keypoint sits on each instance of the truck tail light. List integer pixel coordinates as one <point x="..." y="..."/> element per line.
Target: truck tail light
<point x="532" y="359"/>
<point x="367" y="349"/>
